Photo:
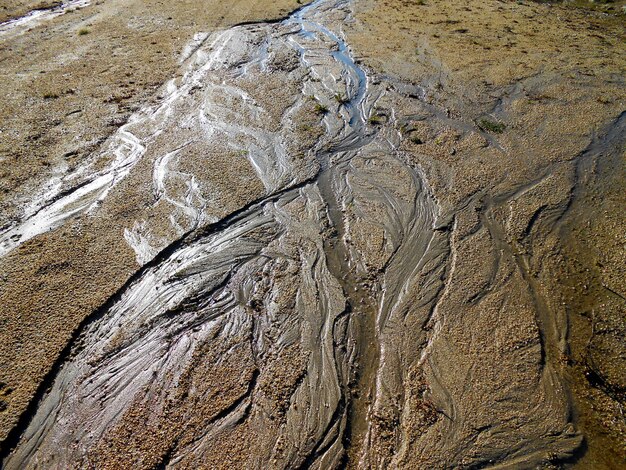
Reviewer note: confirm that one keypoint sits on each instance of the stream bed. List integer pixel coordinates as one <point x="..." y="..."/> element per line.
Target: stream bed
<point x="297" y="327"/>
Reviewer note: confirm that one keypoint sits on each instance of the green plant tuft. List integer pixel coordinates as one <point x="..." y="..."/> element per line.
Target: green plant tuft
<point x="376" y="119"/>
<point x="491" y="126"/>
<point x="320" y="108"/>
<point x="341" y="99"/>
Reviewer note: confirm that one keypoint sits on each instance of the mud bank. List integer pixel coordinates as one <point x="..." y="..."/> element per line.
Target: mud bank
<point x="322" y="258"/>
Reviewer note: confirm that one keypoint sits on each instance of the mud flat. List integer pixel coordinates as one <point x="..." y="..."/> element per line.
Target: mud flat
<point x="58" y="110"/>
<point x="364" y="235"/>
<point x="543" y="184"/>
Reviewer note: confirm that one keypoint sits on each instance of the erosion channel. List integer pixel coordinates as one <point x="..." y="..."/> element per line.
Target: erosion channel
<point x="292" y="307"/>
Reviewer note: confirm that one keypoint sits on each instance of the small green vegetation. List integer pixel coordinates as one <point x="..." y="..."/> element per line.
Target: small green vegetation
<point x="605" y="6"/>
<point x="341" y="99"/>
<point x="320" y="108"/>
<point x="416" y="140"/>
<point x="376" y="119"/>
<point x="491" y="126"/>
<point x="83" y="31"/>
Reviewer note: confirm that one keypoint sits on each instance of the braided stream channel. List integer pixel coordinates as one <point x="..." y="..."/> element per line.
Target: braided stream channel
<point x="293" y="261"/>
<point x="303" y="278"/>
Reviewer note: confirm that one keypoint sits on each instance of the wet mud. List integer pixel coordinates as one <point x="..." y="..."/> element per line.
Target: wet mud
<point x="316" y="285"/>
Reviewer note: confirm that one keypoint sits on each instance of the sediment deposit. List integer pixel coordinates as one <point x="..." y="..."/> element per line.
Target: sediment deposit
<point x="324" y="245"/>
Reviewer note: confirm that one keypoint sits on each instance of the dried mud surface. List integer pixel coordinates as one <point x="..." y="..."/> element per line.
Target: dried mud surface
<point x="370" y="234"/>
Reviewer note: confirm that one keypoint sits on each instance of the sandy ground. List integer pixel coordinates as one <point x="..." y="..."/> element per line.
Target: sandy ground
<point x="63" y="93"/>
<point x="554" y="76"/>
<point x="17" y="8"/>
<point x="70" y="83"/>
<point x="521" y="92"/>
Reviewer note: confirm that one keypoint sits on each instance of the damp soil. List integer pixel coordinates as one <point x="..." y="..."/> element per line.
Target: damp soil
<point x="360" y="234"/>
